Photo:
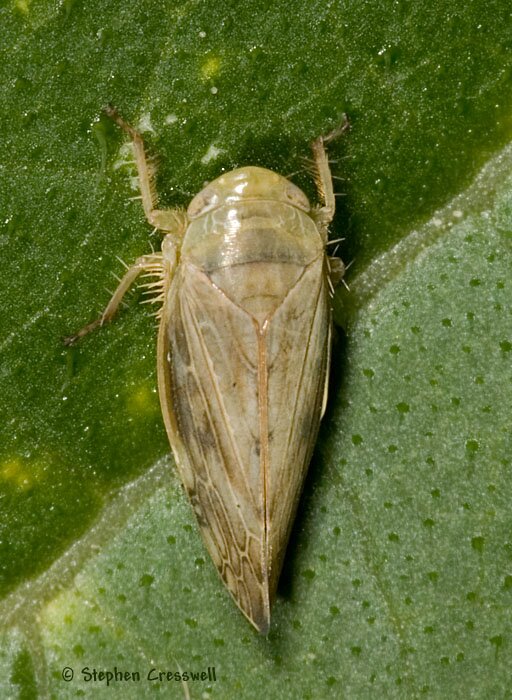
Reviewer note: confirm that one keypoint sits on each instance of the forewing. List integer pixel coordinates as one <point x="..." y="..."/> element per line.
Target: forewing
<point x="209" y="389"/>
<point x="297" y="349"/>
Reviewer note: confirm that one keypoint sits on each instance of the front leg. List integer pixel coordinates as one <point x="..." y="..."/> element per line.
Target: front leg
<point x="323" y="178"/>
<point x="167" y="220"/>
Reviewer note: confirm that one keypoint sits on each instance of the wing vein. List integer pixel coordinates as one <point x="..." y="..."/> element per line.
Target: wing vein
<point x="223" y="413"/>
<point x="292" y="422"/>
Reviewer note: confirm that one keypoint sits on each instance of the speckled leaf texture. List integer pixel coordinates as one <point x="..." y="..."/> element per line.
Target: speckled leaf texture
<point x="398" y="577"/>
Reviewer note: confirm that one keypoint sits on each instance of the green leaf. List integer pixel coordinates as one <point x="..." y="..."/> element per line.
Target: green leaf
<point x="398" y="578"/>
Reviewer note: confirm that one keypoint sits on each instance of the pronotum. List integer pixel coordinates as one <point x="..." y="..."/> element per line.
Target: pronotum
<point x="243" y="355"/>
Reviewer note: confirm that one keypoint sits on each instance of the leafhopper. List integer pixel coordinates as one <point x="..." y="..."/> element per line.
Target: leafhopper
<point x="243" y="355"/>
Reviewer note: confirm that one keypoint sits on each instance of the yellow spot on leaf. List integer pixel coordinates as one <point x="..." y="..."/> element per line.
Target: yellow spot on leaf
<point x="22" y="6"/>
<point x="64" y="611"/>
<point x="142" y="400"/>
<point x="20" y="473"/>
<point x="210" y="67"/>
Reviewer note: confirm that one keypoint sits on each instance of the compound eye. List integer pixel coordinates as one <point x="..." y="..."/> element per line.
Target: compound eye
<point x="297" y="197"/>
<point x="204" y="201"/>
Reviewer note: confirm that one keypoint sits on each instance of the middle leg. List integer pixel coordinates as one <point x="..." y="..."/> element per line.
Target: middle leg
<point x="151" y="264"/>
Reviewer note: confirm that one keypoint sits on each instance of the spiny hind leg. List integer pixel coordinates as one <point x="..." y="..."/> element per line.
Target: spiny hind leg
<point x="168" y="220"/>
<point x="323" y="178"/>
<point x="336" y="270"/>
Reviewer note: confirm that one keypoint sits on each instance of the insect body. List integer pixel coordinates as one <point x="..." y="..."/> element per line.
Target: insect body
<point x="243" y="356"/>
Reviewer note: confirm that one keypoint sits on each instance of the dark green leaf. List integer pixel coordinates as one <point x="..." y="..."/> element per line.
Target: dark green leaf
<point x="398" y="578"/>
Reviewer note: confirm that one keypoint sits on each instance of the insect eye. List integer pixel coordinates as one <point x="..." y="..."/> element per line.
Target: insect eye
<point x="297" y="197"/>
<point x="204" y="201"/>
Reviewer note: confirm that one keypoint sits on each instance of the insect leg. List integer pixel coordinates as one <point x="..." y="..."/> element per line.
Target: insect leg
<point x="169" y="220"/>
<point x="336" y="271"/>
<point x="323" y="178"/>
<point x="146" y="263"/>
